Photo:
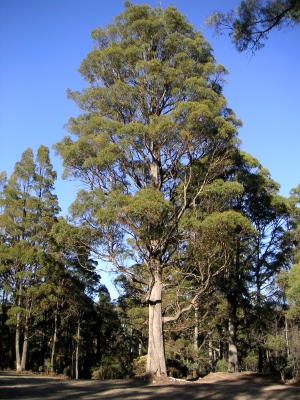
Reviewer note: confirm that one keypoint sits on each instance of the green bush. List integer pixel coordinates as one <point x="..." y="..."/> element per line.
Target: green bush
<point x="139" y="365"/>
<point x="251" y="362"/>
<point x="222" y="366"/>
<point x="110" y="368"/>
<point x="277" y="354"/>
<point x="47" y="367"/>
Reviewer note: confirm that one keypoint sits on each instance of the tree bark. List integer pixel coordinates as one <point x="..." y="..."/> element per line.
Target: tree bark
<point x="21" y="359"/>
<point x="196" y="329"/>
<point x="156" y="363"/>
<point x="17" y="344"/>
<point x="53" y="343"/>
<point x="77" y="351"/>
<point x="44" y="346"/>
<point x="258" y="301"/>
<point x="25" y="345"/>
<point x="3" y="320"/>
<point x="211" y="353"/>
<point x="18" y="334"/>
<point x="232" y="349"/>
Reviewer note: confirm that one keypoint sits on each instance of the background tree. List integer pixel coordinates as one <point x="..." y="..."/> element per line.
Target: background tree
<point x="29" y="209"/>
<point x="288" y="281"/>
<point x="71" y="285"/>
<point x="294" y="200"/>
<point x="250" y="23"/>
<point x="270" y="249"/>
<point x="254" y="262"/>
<point x="115" y="341"/>
<point x="155" y="130"/>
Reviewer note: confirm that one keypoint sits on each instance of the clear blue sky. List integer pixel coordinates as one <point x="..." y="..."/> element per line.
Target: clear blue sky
<point x="42" y="43"/>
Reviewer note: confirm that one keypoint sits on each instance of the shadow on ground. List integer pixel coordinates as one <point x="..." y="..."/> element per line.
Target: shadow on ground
<point x="14" y="386"/>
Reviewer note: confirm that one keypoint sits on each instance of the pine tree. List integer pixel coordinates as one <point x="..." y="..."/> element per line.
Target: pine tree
<point x="28" y="211"/>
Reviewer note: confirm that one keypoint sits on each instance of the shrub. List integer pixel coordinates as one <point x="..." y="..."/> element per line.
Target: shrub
<point x="222" y="366"/>
<point x="277" y="354"/>
<point x="139" y="365"/>
<point x="250" y="362"/>
<point x="110" y="368"/>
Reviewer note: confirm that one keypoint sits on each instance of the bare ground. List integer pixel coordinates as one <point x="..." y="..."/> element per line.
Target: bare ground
<point x="217" y="386"/>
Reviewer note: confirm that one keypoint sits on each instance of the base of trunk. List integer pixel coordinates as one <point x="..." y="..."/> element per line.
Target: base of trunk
<point x="233" y="359"/>
<point x="156" y="363"/>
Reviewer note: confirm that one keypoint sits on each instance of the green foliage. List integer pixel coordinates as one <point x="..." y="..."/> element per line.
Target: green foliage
<point x="45" y="273"/>
<point x="28" y="212"/>
<point x="222" y="365"/>
<point x="276" y="344"/>
<point x="250" y="362"/>
<point x="139" y="365"/>
<point x="47" y="366"/>
<point x="154" y="132"/>
<point x="183" y="357"/>
<point x="250" y="23"/>
<point x="277" y="348"/>
<point x="196" y="361"/>
<point x="293" y="292"/>
<point x="167" y="191"/>
<point x="110" y="368"/>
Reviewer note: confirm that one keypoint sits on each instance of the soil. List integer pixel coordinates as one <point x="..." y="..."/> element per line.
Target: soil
<point x="215" y="386"/>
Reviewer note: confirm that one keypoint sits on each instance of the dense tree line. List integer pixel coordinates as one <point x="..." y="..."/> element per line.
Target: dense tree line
<point x="205" y="249"/>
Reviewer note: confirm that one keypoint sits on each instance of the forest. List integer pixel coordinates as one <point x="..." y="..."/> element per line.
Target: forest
<point x="204" y="250"/>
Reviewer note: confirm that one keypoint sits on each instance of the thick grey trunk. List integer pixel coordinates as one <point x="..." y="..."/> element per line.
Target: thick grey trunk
<point x="156" y="364"/>
<point x="232" y="349"/>
<point x="25" y="346"/>
<point x="21" y="358"/>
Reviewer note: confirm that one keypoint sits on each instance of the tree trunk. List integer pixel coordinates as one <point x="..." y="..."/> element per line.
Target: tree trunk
<point x="3" y="320"/>
<point x="77" y="351"/>
<point x="156" y="363"/>
<point x="259" y="316"/>
<point x="21" y="359"/>
<point x="25" y="345"/>
<point x="18" y="333"/>
<point x="287" y="336"/>
<point x="196" y="330"/>
<point x="44" y="345"/>
<point x="17" y="343"/>
<point x="211" y="353"/>
<point x="260" y="357"/>
<point x="53" y="343"/>
<point x="232" y="349"/>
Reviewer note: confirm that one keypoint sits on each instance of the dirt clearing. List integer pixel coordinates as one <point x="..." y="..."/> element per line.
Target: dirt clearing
<point x="218" y="386"/>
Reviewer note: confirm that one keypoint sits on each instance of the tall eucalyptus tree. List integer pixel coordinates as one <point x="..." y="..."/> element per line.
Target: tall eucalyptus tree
<point x="154" y="131"/>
